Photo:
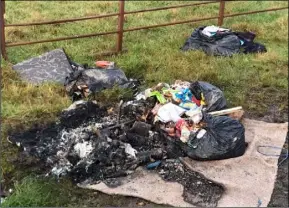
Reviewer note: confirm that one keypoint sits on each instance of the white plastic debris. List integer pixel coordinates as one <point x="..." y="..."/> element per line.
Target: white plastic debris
<point x="185" y="134"/>
<point x="129" y="150"/>
<point x="77" y="103"/>
<point x="140" y="96"/>
<point x="201" y="133"/>
<point x="170" y="112"/>
<point x="195" y="115"/>
<point x="83" y="149"/>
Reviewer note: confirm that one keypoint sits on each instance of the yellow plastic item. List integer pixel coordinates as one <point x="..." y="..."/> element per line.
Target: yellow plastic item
<point x="203" y="99"/>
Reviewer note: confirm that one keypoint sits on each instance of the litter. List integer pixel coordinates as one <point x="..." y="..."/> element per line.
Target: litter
<point x="213" y="98"/>
<point x="85" y="81"/>
<point x="83" y="149"/>
<point x="235" y="113"/>
<point x="105" y="64"/>
<point x="212" y="30"/>
<point x="129" y="150"/>
<point x="80" y="81"/>
<point x="284" y="155"/>
<point x="100" y="144"/>
<point x="235" y="182"/>
<point x="153" y="165"/>
<point x="52" y="66"/>
<point x="170" y="112"/>
<point x="222" y="42"/>
<point x="222" y="138"/>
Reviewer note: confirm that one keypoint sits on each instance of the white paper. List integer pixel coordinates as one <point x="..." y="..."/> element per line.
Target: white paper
<point x="212" y="29"/>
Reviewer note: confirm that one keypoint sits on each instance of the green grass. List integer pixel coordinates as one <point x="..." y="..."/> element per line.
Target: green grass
<point x="256" y="81"/>
<point x="43" y="192"/>
<point x="32" y="192"/>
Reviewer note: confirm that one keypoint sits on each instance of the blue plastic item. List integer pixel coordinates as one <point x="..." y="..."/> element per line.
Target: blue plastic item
<point x="154" y="164"/>
<point x="184" y="95"/>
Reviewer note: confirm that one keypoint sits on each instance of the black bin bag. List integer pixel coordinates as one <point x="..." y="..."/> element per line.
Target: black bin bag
<point x="224" y="138"/>
<point x="214" y="97"/>
<point x="221" y="44"/>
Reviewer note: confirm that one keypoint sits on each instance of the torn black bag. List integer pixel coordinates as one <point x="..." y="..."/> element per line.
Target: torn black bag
<point x="249" y="45"/>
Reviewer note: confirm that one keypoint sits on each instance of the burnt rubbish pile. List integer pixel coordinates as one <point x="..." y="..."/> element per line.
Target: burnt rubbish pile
<point x="93" y="142"/>
<point x="89" y="142"/>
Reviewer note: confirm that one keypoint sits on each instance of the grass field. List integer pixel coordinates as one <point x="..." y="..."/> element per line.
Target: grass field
<point x="258" y="82"/>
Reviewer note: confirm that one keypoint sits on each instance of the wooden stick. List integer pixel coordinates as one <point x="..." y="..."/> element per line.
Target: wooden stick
<point x="226" y="111"/>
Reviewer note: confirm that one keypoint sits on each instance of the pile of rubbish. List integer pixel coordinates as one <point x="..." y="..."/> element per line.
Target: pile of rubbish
<point x="182" y="111"/>
<point x="84" y="81"/>
<point x="80" y="81"/>
<point x="94" y="142"/>
<point x="218" y="41"/>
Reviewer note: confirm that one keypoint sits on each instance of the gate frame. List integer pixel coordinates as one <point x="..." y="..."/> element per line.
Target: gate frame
<point x="120" y="30"/>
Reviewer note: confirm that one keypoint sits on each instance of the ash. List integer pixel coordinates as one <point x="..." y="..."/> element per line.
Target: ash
<point x="88" y="142"/>
<point x="93" y="143"/>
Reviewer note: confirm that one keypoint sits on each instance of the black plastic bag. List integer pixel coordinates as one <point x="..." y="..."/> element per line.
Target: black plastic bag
<point x="214" y="97"/>
<point x="249" y="46"/>
<point x="96" y="80"/>
<point x="222" y="44"/>
<point x="224" y="138"/>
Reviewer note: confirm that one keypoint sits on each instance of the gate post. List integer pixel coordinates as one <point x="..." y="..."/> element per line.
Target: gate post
<point x="221" y="12"/>
<point x="2" y="30"/>
<point x="120" y="26"/>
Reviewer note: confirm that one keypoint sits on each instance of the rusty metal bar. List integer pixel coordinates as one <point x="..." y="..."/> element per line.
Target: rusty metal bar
<point x="2" y="30"/>
<point x="105" y="15"/>
<point x="120" y="26"/>
<point x="170" y="7"/>
<point x="254" y="12"/>
<point x="140" y="28"/>
<point x="60" y="39"/>
<point x="62" y="21"/>
<point x="169" y="24"/>
<point x="221" y="13"/>
<point x="107" y="33"/>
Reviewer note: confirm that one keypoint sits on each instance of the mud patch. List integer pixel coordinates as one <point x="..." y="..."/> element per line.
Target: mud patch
<point x="272" y="109"/>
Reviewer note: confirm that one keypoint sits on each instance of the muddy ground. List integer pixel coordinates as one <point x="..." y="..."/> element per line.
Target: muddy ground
<point x="279" y="197"/>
